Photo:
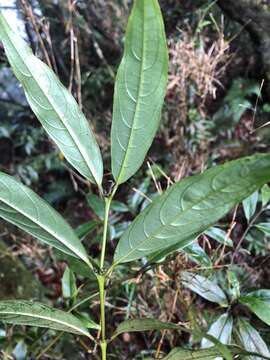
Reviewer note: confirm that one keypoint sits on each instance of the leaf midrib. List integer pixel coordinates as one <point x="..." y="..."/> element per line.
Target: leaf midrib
<point x="53" y="320"/>
<point x="137" y="103"/>
<point x="55" y="235"/>
<point x="164" y="226"/>
<point x="73" y="136"/>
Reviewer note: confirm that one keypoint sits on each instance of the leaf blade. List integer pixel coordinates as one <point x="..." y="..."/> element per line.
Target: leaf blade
<point x="22" y="207"/>
<point x="178" y="214"/>
<point x="221" y="329"/>
<point x="40" y="315"/>
<point x="205" y="288"/>
<point x="259" y="303"/>
<point x="54" y="106"/>
<point x="251" y="340"/>
<point x="138" y="99"/>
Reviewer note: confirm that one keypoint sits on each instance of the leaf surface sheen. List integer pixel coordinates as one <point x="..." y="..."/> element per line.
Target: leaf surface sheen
<point x="221" y="329"/>
<point x="191" y="206"/>
<point x="20" y="312"/>
<point x="139" y="89"/>
<point x="251" y="340"/>
<point x="204" y="287"/>
<point x="54" y="106"/>
<point x="22" y="207"/>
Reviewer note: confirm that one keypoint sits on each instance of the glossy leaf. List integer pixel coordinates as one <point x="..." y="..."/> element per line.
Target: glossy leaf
<point x="25" y="209"/>
<point x="219" y="235"/>
<point x="139" y="325"/>
<point x="180" y="213"/>
<point x="207" y="354"/>
<point x="36" y="314"/>
<point x="251" y="340"/>
<point x="265" y="191"/>
<point x="69" y="288"/>
<point x="86" y="228"/>
<point x="264" y="227"/>
<point x="234" y="285"/>
<point x="250" y="204"/>
<point x="208" y="289"/>
<point x="203" y="354"/>
<point x="221" y="329"/>
<point x="54" y="106"/>
<point x="139" y="89"/>
<point x="259" y="303"/>
<point x="196" y="253"/>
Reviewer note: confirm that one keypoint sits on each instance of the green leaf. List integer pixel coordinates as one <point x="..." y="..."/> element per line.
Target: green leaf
<point x="219" y="235"/>
<point x="54" y="106"/>
<point x="96" y="204"/>
<point x="250" y="204"/>
<point x="251" y="340"/>
<point x="86" y="228"/>
<point x="162" y="254"/>
<point x="196" y="253"/>
<point x="264" y="227"/>
<point x="139" y="325"/>
<point x="25" y="209"/>
<point x="69" y="288"/>
<point x="265" y="191"/>
<point x="234" y="285"/>
<point x="203" y="354"/>
<point x="192" y="206"/>
<point x="259" y="303"/>
<point x="205" y="288"/>
<point x="36" y="314"/>
<point x="207" y="354"/>
<point x="221" y="329"/>
<point x="139" y="89"/>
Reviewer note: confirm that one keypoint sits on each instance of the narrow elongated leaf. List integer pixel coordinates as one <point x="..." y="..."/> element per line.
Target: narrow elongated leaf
<point x="259" y="303"/>
<point x="197" y="254"/>
<point x="139" y="89"/>
<point x="207" y="354"/>
<point x="221" y="329"/>
<point x="192" y="206"/>
<point x="86" y="228"/>
<point x="251" y="340"/>
<point x="25" y="209"/>
<point x="205" y="288"/>
<point x="54" y="106"/>
<point x="264" y="227"/>
<point x="69" y="288"/>
<point x="219" y="235"/>
<point x="203" y="354"/>
<point x="250" y="205"/>
<point x="138" y="325"/>
<point x="265" y="191"/>
<point x="37" y="314"/>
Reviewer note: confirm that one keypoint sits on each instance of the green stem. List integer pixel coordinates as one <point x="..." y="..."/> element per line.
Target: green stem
<point x="103" y="342"/>
<point x="102" y="278"/>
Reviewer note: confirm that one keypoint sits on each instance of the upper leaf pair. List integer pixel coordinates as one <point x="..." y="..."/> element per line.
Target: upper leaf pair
<point x="139" y="93"/>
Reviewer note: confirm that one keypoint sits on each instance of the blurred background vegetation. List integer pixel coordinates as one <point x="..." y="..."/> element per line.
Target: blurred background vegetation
<point x="217" y="108"/>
